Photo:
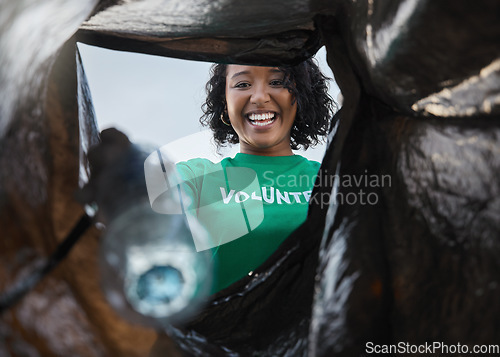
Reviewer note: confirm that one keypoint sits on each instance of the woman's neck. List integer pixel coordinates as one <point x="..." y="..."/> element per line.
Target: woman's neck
<point x="286" y="151"/>
<point x="282" y="148"/>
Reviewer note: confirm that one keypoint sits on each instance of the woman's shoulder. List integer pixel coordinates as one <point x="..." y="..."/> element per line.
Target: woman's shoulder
<point x="314" y="165"/>
<point x="198" y="166"/>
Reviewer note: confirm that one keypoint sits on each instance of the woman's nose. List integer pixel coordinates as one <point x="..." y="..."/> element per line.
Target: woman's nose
<point x="260" y="95"/>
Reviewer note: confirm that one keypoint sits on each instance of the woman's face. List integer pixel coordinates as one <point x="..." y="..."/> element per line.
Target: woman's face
<point x="260" y="109"/>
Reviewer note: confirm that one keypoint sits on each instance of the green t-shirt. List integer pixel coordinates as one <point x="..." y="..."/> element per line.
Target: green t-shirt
<point x="249" y="204"/>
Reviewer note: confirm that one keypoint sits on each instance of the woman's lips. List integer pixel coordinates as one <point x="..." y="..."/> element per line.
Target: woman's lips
<point x="262" y="119"/>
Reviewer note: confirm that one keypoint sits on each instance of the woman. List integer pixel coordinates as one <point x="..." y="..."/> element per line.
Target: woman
<point x="252" y="202"/>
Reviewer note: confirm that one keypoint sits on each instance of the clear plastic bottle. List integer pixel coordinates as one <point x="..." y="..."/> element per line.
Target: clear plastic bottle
<point x="151" y="272"/>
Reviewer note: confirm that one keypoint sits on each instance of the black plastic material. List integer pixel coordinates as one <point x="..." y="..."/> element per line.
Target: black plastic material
<point x="421" y="105"/>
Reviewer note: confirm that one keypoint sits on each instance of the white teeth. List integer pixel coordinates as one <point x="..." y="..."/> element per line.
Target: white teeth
<point x="264" y="116"/>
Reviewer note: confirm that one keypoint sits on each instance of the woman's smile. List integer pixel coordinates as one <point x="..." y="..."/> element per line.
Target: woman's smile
<point x="264" y="119"/>
<point x="261" y="110"/>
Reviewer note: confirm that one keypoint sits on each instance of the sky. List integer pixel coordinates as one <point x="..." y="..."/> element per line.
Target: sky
<point x="157" y="100"/>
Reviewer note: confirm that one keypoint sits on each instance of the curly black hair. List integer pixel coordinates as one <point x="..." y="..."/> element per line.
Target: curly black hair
<point x="308" y="86"/>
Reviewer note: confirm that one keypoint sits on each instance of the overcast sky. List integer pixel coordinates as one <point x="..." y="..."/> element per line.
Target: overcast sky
<point x="154" y="100"/>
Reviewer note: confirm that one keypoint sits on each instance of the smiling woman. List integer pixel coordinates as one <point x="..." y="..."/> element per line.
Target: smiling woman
<point x="269" y="111"/>
<point x="261" y="110"/>
<point x="305" y="84"/>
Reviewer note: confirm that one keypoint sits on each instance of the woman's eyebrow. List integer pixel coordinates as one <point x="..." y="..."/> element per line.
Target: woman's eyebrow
<point x="239" y="74"/>
<point x="272" y="70"/>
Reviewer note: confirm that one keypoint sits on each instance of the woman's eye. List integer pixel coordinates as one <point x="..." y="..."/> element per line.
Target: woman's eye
<point x="242" y="85"/>
<point x="276" y="82"/>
